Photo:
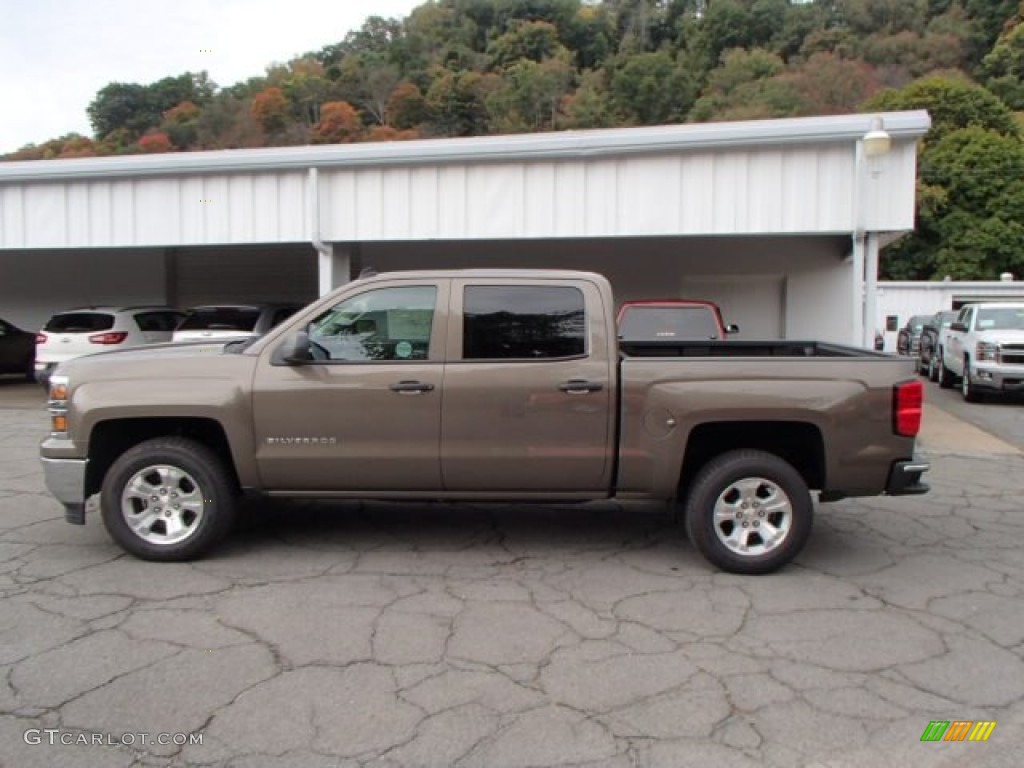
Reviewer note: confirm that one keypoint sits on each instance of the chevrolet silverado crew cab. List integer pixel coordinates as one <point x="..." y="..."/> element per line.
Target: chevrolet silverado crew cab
<point x="984" y="349"/>
<point x="485" y="386"/>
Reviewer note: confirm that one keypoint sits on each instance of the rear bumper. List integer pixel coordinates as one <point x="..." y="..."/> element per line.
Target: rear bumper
<point x="905" y="478"/>
<point x="65" y="479"/>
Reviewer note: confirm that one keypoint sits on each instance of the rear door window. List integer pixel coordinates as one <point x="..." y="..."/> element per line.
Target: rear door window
<point x="80" y="322"/>
<point x="523" y="322"/>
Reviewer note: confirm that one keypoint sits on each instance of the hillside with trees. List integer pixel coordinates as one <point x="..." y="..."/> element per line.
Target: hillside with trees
<point x="482" y="67"/>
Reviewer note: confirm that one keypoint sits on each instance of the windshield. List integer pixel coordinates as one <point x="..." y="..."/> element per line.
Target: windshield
<point x="1003" y="319"/>
<point x="220" y="319"/>
<point x="654" y="323"/>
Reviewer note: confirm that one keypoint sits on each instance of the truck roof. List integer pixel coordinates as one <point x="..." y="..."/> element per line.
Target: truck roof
<point x="518" y="274"/>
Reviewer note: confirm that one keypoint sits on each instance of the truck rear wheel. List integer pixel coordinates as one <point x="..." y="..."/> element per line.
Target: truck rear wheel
<point x="168" y="499"/>
<point x="748" y="512"/>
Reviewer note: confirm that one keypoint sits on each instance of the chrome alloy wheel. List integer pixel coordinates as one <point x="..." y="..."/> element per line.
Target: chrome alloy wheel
<point x="162" y="504"/>
<point x="753" y="516"/>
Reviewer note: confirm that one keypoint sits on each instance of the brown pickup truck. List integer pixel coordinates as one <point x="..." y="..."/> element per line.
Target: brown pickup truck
<point x="480" y="385"/>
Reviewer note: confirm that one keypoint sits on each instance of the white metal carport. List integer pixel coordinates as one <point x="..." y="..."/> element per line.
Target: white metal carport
<point x="778" y="220"/>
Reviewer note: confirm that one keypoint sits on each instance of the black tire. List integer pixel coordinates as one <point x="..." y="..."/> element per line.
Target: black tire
<point x="176" y="466"/>
<point x="716" y="487"/>
<point x="968" y="390"/>
<point x="946" y="377"/>
<point x="933" y="368"/>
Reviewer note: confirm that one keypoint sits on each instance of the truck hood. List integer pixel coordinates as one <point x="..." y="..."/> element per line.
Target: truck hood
<point x="1006" y="336"/>
<point x="158" y="361"/>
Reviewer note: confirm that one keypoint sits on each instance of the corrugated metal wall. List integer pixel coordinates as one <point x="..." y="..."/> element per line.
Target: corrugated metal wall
<point x="764" y="190"/>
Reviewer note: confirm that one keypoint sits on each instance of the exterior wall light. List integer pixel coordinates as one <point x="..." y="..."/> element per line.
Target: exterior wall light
<point x="876" y="141"/>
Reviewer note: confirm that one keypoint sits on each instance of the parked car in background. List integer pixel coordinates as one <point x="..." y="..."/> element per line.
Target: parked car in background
<point x="668" y="319"/>
<point x="226" y="322"/>
<point x="17" y="350"/>
<point x="984" y="349"/>
<point x="909" y="337"/>
<point x="87" y="330"/>
<point x="927" y="357"/>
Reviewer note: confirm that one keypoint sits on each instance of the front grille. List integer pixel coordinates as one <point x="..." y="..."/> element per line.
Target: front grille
<point x="1011" y="358"/>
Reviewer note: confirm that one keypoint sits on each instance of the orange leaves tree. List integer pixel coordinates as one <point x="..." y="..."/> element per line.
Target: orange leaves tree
<point x="270" y="109"/>
<point x="339" y="123"/>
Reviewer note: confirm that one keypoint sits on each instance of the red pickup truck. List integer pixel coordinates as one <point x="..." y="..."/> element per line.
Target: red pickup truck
<point x="669" y="319"/>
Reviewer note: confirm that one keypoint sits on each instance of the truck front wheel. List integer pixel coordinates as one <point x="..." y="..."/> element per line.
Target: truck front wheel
<point x="168" y="499"/>
<point x="946" y="377"/>
<point x="748" y="512"/>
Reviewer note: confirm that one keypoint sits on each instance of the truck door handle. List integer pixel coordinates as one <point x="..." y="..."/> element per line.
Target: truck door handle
<point x="411" y="387"/>
<point x="580" y="386"/>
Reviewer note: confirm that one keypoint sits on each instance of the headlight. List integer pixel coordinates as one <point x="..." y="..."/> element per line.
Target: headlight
<point x="58" y="406"/>
<point x="986" y="351"/>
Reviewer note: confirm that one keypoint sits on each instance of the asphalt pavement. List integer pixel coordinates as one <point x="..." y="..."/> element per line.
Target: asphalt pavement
<point x="350" y="634"/>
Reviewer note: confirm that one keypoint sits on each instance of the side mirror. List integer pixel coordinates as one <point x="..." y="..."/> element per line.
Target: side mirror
<point x="961" y="327"/>
<point x="732" y="328"/>
<point x="295" y="349"/>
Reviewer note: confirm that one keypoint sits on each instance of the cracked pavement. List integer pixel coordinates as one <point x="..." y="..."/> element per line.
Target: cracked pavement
<point x="349" y="634"/>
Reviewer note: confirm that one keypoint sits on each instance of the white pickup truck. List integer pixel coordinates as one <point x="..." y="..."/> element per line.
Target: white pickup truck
<point x="984" y="349"/>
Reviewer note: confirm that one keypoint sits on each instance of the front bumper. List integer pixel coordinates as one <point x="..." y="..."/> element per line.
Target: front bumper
<point x="44" y="371"/>
<point x="1004" y="378"/>
<point x="65" y="479"/>
<point x="905" y="478"/>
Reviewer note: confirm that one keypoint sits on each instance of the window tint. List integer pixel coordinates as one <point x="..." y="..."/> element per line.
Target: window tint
<point x="151" y="322"/>
<point x="80" y="322"/>
<point x="220" y="319"/>
<point x="654" y="323"/>
<point x="383" y="324"/>
<point x="523" y="322"/>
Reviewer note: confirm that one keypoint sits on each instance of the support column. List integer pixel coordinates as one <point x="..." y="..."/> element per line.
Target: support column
<point x="857" y="290"/>
<point x="870" y="289"/>
<point x="334" y="266"/>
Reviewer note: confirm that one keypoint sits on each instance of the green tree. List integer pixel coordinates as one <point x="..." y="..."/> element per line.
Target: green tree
<point x="587" y="107"/>
<point x="532" y="40"/>
<point x="652" y="89"/>
<point x="738" y="79"/>
<point x="138" y="108"/>
<point x="530" y="95"/>
<point x="1003" y="68"/>
<point x="953" y="103"/>
<point x="977" y="228"/>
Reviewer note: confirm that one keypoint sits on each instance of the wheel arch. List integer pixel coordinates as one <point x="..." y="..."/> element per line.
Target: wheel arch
<point x="110" y="439"/>
<point x="800" y="444"/>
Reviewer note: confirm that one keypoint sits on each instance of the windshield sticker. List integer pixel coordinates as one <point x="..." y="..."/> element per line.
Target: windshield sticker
<point x="403" y="349"/>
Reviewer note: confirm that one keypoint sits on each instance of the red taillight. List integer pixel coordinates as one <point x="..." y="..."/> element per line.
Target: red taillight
<point x="113" y="337"/>
<point x="40" y="338"/>
<point x="907" y="399"/>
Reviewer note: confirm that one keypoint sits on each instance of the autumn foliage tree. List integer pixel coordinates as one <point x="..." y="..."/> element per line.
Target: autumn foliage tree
<point x="155" y="142"/>
<point x="270" y="109"/>
<point x="339" y="123"/>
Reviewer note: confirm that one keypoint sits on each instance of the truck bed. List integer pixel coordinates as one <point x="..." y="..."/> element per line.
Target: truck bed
<point x="726" y="348"/>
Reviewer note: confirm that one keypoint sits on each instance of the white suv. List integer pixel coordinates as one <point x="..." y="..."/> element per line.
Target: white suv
<point x="86" y="330"/>
<point x="228" y="322"/>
